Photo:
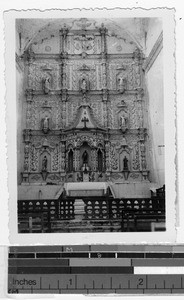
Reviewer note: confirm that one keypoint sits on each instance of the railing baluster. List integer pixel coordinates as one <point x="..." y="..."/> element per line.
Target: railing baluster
<point x="126" y="211"/>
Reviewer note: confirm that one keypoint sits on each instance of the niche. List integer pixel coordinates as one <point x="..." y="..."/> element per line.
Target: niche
<point x="45" y="161"/>
<point x="124" y="161"/>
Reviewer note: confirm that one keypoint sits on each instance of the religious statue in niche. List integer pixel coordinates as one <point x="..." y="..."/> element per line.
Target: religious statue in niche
<point x="44" y="163"/>
<point x="125" y="164"/>
<point x="85" y="158"/>
<point x="46" y="84"/>
<point x="92" y="177"/>
<point x="45" y="124"/>
<point x="26" y="166"/>
<point x="79" y="177"/>
<point x="121" y="84"/>
<point x="123" y="121"/>
<point x="84" y="85"/>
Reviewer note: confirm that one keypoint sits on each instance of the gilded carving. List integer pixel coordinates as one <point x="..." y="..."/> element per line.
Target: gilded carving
<point x="110" y="85"/>
<point x="99" y="77"/>
<point x="143" y="155"/>
<point x="63" y="122"/>
<point x="123" y="120"/>
<point x="134" y="175"/>
<point x="136" y="159"/>
<point x="121" y="75"/>
<point x="137" y="76"/>
<point x="114" y="157"/>
<point x="97" y="112"/>
<point x="77" y="159"/>
<point x="26" y="157"/>
<point x="34" y="159"/>
<point x="45" y="124"/>
<point x="32" y="113"/>
<point x="44" y="76"/>
<point x="97" y="45"/>
<point x="117" y="176"/>
<point x="35" y="177"/>
<point x="104" y="75"/>
<point x="107" y="157"/>
<point x="62" y="159"/>
<point x="85" y="71"/>
<point x="55" y="159"/>
<point x="83" y="43"/>
<point x="139" y="114"/>
<point x="53" y="177"/>
<point x="46" y="84"/>
<point x="110" y="114"/>
<point x="133" y="120"/>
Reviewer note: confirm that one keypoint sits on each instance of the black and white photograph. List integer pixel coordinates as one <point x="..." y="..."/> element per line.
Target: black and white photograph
<point x="90" y="125"/>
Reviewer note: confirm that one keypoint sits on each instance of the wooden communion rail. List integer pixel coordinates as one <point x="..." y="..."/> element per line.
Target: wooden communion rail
<point x="89" y="214"/>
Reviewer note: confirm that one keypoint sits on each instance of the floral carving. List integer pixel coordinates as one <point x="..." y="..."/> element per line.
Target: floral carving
<point x="42" y="70"/>
<point x="55" y="162"/>
<point x="34" y="159"/>
<point x="26" y="157"/>
<point x="62" y="152"/>
<point x="114" y="158"/>
<point x="114" y="93"/>
<point x="136" y="160"/>
<point x="53" y="177"/>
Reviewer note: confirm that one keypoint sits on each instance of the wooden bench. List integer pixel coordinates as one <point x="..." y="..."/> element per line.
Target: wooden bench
<point x="131" y="218"/>
<point x="33" y="223"/>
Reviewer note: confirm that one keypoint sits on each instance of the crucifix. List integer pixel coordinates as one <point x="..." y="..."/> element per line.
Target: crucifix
<point x="85" y="120"/>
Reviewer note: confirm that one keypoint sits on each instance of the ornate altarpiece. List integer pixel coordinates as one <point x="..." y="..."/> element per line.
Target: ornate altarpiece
<point x="85" y="109"/>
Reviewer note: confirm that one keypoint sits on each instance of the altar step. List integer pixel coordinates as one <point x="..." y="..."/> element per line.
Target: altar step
<point x="86" y="226"/>
<point x="38" y="225"/>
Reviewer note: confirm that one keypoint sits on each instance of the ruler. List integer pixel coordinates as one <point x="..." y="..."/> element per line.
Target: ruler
<point x="96" y="269"/>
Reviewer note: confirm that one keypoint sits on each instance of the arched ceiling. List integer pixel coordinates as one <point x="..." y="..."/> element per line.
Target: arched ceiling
<point x="35" y="31"/>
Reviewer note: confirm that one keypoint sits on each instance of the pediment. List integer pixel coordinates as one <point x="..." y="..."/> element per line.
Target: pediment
<point x="84" y="119"/>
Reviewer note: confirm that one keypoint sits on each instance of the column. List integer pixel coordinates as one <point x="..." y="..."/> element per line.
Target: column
<point x="64" y="55"/>
<point x="107" y="157"/>
<point x="63" y="158"/>
<point x="103" y="32"/>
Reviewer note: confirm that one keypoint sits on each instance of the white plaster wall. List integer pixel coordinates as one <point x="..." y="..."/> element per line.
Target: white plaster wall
<point x="21" y="110"/>
<point x="153" y="31"/>
<point x="154" y="79"/>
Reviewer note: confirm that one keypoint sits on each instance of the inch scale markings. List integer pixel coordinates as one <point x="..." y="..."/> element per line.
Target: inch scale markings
<point x="96" y="270"/>
<point x="95" y="286"/>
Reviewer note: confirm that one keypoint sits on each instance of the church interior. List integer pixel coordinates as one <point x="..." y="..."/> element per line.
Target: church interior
<point x="90" y="125"/>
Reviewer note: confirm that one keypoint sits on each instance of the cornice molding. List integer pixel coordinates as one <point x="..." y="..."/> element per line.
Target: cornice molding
<point x="149" y="61"/>
<point x="57" y="56"/>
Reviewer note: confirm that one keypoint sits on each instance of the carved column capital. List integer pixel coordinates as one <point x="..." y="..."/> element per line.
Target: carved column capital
<point x="137" y="55"/>
<point x="63" y="55"/>
<point x="27" y="134"/>
<point x="64" y="95"/>
<point x="29" y="55"/>
<point x="139" y="94"/>
<point x="105" y="94"/>
<point x="103" y="32"/>
<point x="63" y="39"/>
<point x="142" y="133"/>
<point x="64" y="31"/>
<point x="29" y="94"/>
